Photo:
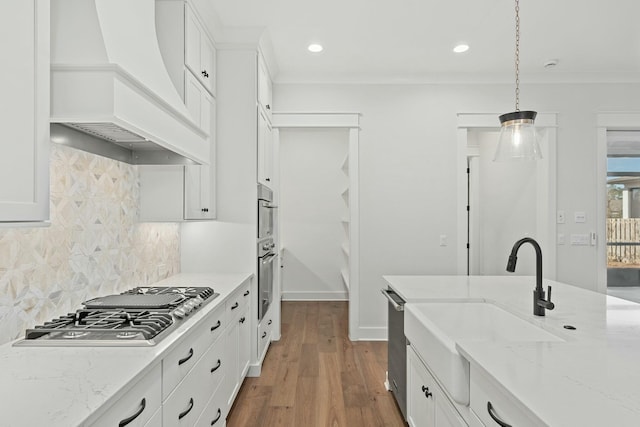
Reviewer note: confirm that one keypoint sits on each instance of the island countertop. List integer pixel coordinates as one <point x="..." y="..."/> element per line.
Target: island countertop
<point x="589" y="379"/>
<point x="71" y="386"/>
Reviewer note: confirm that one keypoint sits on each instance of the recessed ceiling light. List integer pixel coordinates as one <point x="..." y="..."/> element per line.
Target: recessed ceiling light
<point x="462" y="47"/>
<point x="315" y="48"/>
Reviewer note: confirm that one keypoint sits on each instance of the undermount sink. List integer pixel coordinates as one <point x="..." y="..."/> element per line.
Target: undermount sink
<point x="434" y="328"/>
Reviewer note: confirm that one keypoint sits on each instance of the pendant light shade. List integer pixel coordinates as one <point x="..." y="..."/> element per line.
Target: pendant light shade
<point x="518" y="137"/>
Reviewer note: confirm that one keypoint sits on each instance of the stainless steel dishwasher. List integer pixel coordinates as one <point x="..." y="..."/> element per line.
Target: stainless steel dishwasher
<point x="397" y="350"/>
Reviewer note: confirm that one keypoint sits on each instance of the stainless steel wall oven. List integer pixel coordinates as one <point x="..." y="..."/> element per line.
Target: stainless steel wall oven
<point x="267" y="255"/>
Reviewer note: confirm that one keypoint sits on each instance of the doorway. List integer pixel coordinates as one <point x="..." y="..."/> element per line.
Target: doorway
<point x="350" y="220"/>
<point x="511" y="200"/>
<point x="623" y="214"/>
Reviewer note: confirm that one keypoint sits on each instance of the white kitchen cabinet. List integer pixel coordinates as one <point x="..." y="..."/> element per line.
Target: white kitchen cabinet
<point x="265" y="151"/>
<point x="173" y="193"/>
<point x="427" y="404"/>
<point x="24" y="111"/>
<point x="200" y="55"/>
<point x="484" y="392"/>
<point x="265" y="332"/>
<point x="265" y="88"/>
<point x="199" y="103"/>
<point x="138" y="405"/>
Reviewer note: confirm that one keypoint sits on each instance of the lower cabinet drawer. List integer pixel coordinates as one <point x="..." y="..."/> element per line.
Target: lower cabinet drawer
<point x="215" y="413"/>
<point x="264" y="334"/>
<point x="493" y="406"/>
<point x="137" y="406"/>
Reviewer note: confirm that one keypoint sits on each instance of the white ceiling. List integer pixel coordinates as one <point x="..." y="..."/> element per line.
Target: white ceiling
<point x="412" y="40"/>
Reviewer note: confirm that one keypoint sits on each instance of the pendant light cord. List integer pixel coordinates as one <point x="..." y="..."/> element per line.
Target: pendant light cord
<point x="517" y="55"/>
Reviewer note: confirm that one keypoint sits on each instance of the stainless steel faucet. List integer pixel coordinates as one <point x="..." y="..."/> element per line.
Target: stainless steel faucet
<point x="539" y="301"/>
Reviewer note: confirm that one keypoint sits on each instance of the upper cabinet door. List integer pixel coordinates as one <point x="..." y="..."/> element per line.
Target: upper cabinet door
<point x="264" y="87"/>
<point x="24" y="110"/>
<point x="200" y="54"/>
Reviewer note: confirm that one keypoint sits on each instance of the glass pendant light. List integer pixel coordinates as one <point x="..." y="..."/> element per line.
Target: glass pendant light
<point x="518" y="138"/>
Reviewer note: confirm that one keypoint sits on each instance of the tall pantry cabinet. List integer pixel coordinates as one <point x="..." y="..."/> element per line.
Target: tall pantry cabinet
<point x="24" y="110"/>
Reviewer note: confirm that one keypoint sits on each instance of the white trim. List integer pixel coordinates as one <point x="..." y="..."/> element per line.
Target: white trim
<point x="315" y="296"/>
<point x="606" y="121"/>
<point x="370" y="334"/>
<point x="315" y="120"/>
<point x="350" y="121"/>
<point x="546" y="184"/>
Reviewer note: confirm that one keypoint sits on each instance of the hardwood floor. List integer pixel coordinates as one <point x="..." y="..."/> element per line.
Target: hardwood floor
<point x="316" y="377"/>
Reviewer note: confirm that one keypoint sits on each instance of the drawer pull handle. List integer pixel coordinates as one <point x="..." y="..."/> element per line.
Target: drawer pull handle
<point x="264" y="335"/>
<point x="426" y="392"/>
<point x="181" y="361"/>
<point x="245" y="294"/>
<point x="215" y="368"/>
<point x="269" y="322"/>
<point x="184" y="414"/>
<point x="494" y="417"/>
<point x="217" y="418"/>
<point x="242" y="319"/>
<point x="143" y="404"/>
<point x="216" y="326"/>
<point x="234" y="306"/>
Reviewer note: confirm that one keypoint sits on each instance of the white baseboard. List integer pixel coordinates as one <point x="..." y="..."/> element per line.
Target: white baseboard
<point x="370" y="334"/>
<point x="315" y="296"/>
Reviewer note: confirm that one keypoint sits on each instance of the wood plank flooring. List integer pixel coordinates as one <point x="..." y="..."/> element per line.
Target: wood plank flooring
<point x="316" y="377"/>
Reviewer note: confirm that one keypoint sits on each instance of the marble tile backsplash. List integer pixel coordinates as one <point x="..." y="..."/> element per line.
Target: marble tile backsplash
<point x="94" y="246"/>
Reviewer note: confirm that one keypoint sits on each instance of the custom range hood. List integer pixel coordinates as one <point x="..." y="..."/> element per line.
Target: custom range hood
<point x="109" y="80"/>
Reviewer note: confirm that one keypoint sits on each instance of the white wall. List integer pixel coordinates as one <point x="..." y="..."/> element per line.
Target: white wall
<point x="311" y="207"/>
<point x="407" y="182"/>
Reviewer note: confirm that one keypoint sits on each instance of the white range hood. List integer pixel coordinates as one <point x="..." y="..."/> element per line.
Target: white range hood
<point x="108" y="79"/>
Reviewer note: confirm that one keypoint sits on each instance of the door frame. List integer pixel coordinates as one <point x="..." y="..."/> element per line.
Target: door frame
<point x="606" y="121"/>
<point x="546" y="184"/>
<point x="350" y="121"/>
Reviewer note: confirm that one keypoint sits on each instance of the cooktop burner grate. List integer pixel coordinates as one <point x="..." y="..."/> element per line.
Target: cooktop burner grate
<point x="141" y="324"/>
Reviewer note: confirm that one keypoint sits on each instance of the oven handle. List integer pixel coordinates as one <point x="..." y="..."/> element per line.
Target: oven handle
<point x="269" y="205"/>
<point x="268" y="259"/>
<point x="398" y="305"/>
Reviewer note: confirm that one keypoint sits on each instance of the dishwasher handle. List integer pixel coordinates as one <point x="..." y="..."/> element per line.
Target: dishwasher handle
<point x="394" y="299"/>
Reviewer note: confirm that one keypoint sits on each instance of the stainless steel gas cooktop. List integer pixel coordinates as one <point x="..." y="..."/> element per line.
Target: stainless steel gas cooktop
<point x="139" y="317"/>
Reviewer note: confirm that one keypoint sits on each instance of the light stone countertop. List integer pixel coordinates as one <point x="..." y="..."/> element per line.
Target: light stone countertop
<point x="590" y="379"/>
<point x="72" y="386"/>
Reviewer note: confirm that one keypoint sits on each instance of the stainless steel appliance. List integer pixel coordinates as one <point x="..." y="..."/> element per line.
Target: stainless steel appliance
<point x="266" y="210"/>
<point x="266" y="269"/>
<point x="139" y="317"/>
<point x="397" y="350"/>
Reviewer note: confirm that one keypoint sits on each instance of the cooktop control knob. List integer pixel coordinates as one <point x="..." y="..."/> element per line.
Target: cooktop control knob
<point x="197" y="301"/>
<point x="179" y="313"/>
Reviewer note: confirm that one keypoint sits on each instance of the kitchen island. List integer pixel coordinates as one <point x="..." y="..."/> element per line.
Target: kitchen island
<point x="74" y="386"/>
<point x="590" y="376"/>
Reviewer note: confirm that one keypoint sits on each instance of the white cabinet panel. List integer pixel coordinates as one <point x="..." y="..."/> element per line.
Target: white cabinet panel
<point x="265" y="88"/>
<point x="200" y="55"/>
<point x="427" y="404"/>
<point x="24" y="111"/>
<point x="138" y="405"/>
<point x="265" y="151"/>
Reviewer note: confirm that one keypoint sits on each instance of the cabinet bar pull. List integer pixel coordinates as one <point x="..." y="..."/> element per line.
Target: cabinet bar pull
<point x="426" y="392"/>
<point x="215" y="368"/>
<point x="242" y="319"/>
<point x="143" y="404"/>
<point x="269" y="322"/>
<point x="181" y="361"/>
<point x="245" y="294"/>
<point x="264" y="335"/>
<point x="217" y="418"/>
<point x="184" y="414"/>
<point x="216" y="326"/>
<point x="494" y="417"/>
<point x="234" y="306"/>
